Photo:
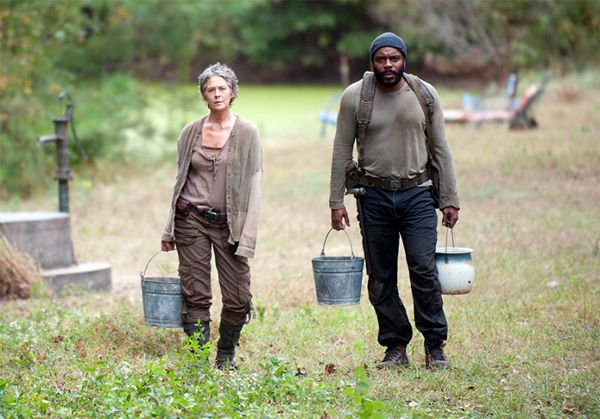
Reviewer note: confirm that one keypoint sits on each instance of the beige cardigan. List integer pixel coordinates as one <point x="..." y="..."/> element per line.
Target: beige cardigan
<point x="243" y="182"/>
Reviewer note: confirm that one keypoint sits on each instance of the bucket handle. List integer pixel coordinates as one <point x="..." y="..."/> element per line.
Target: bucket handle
<point x="446" y="252"/>
<point x="150" y="260"/>
<point x="325" y="241"/>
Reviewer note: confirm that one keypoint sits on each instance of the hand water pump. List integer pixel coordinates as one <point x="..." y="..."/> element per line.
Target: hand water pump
<point x="60" y="137"/>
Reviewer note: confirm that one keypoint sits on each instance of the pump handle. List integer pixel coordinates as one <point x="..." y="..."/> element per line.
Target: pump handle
<point x="70" y="118"/>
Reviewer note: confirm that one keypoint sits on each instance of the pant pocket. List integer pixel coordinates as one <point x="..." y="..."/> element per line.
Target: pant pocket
<point x="375" y="289"/>
<point x="185" y="232"/>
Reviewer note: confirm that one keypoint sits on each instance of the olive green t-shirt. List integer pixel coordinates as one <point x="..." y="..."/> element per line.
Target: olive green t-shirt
<point x="396" y="145"/>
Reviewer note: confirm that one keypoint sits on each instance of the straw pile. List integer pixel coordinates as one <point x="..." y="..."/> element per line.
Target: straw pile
<point x="17" y="272"/>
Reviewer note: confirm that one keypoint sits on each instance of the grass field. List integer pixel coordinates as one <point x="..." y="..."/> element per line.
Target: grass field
<point x="524" y="343"/>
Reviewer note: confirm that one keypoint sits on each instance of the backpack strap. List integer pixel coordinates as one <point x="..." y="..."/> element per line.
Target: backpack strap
<point x="426" y="101"/>
<point x="365" y="109"/>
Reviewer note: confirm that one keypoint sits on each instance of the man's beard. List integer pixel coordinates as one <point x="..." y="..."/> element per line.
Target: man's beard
<point x="396" y="80"/>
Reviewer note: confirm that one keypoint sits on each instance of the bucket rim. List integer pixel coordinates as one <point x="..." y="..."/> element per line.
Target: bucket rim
<point x="453" y="250"/>
<point x="160" y="278"/>
<point x="323" y="258"/>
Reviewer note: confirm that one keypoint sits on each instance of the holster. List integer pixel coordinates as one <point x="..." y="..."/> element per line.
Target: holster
<point x="352" y="175"/>
<point x="363" y="233"/>
<point x="182" y="206"/>
<point x="434" y="175"/>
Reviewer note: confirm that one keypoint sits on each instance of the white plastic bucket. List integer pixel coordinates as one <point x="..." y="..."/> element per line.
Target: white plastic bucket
<point x="456" y="272"/>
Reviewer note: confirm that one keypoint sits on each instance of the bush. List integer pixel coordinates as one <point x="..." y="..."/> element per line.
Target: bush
<point x="103" y="111"/>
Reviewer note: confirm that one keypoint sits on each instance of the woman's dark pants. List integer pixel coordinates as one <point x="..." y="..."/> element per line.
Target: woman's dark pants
<point x="410" y="215"/>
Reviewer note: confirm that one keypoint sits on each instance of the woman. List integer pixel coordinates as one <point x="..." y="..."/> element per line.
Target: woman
<point x="215" y="207"/>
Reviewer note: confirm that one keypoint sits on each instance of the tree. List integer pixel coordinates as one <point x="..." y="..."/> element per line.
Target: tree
<point x="494" y="37"/>
<point x="298" y="37"/>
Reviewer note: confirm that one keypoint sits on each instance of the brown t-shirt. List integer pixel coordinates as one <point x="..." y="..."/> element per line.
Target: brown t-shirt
<point x="205" y="184"/>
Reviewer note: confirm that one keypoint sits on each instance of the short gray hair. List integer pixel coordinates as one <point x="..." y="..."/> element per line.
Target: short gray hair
<point x="223" y="71"/>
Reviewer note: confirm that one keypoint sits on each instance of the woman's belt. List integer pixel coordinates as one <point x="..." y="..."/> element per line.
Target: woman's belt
<point x="392" y="184"/>
<point x="208" y="214"/>
<point x="184" y="207"/>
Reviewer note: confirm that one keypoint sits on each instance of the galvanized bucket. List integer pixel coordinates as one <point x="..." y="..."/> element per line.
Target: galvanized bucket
<point x="162" y="299"/>
<point x="338" y="279"/>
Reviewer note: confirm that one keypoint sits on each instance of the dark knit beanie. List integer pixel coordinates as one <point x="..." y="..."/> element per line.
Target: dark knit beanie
<point x="387" y="39"/>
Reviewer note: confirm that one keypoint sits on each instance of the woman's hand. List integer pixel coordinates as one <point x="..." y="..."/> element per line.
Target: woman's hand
<point x="166" y="246"/>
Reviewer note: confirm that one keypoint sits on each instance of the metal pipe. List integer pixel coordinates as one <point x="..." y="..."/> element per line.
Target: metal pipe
<point x="62" y="158"/>
<point x="62" y="174"/>
<point x="46" y="139"/>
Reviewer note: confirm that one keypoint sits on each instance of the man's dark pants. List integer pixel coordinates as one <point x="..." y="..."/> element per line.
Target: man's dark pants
<point x="411" y="215"/>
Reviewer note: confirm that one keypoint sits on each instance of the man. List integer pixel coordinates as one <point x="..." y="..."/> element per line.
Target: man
<point x="400" y="143"/>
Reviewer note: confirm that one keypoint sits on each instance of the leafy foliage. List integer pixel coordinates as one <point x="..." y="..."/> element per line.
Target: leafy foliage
<point x="461" y="36"/>
<point x="33" y="73"/>
<point x="75" y="369"/>
<point x="103" y="111"/>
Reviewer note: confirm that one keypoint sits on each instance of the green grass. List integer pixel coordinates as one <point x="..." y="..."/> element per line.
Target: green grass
<point x="512" y="358"/>
<point x="524" y="343"/>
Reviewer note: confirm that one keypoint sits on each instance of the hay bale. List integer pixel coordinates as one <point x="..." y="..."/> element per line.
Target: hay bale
<point x="17" y="272"/>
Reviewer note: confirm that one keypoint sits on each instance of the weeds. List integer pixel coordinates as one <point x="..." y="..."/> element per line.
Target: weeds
<point x="18" y="272"/>
<point x="366" y="407"/>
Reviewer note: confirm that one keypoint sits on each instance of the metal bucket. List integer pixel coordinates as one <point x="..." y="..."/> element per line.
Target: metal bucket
<point x="456" y="272"/>
<point x="162" y="299"/>
<point x="338" y="279"/>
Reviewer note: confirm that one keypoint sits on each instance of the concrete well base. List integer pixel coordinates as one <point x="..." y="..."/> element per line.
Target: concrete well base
<point x="85" y="277"/>
<point x="46" y="237"/>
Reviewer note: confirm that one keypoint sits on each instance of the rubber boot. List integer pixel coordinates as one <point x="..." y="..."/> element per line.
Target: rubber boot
<point x="228" y="340"/>
<point x="203" y="330"/>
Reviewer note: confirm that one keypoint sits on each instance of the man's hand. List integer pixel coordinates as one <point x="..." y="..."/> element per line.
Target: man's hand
<point x="450" y="217"/>
<point x="166" y="246"/>
<point x="338" y="217"/>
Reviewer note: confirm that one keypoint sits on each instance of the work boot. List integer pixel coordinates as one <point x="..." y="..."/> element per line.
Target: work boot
<point x="228" y="340"/>
<point x="395" y="357"/>
<point x="201" y="327"/>
<point x="435" y="359"/>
